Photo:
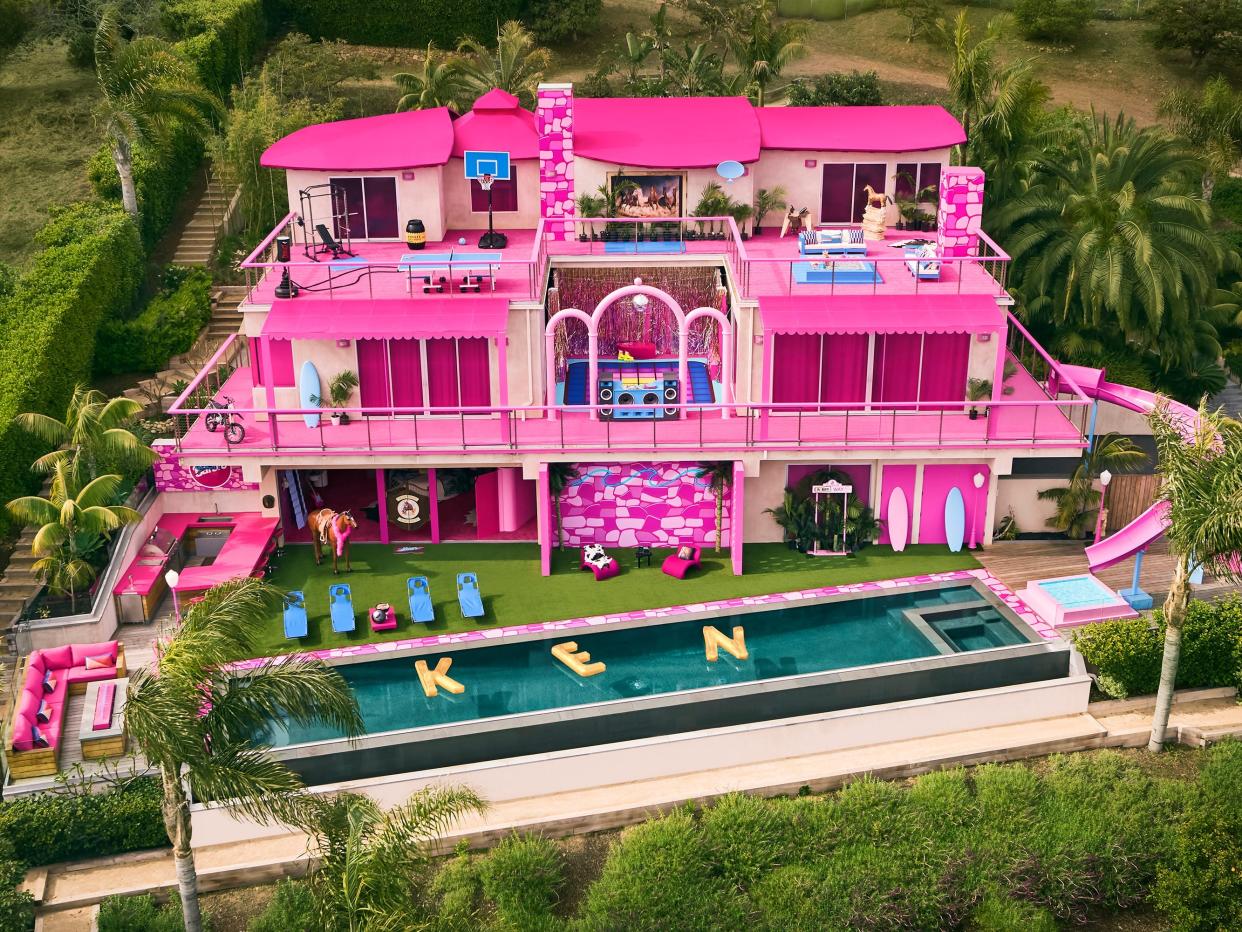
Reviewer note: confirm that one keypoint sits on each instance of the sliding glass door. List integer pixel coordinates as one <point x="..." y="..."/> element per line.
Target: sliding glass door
<point x="842" y="197"/>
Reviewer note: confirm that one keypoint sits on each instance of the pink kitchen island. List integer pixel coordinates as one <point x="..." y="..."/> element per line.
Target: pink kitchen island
<point x="204" y="549"/>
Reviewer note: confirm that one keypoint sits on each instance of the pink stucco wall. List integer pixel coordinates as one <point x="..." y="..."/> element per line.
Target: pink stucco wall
<point x="937" y="480"/>
<point x="627" y="504"/>
<point x="172" y="476"/>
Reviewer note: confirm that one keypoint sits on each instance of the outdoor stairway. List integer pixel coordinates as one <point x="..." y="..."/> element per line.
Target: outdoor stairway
<point x="198" y="239"/>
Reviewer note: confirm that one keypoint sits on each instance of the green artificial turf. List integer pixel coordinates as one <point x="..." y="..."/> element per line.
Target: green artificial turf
<point x="514" y="592"/>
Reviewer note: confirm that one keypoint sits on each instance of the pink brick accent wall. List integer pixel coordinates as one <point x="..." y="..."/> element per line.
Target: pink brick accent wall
<point x="172" y="476"/>
<point x="627" y="504"/>
<point x="554" y="122"/>
<point x="961" y="211"/>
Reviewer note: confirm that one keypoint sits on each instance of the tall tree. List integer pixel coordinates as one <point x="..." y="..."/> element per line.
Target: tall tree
<point x="199" y="724"/>
<point x="74" y="522"/>
<point x="517" y="65"/>
<point x="1211" y="121"/>
<point x="719" y="477"/>
<point x="1109" y="232"/>
<point x="1077" y="505"/>
<point x="762" y="47"/>
<point x="440" y="83"/>
<point x="370" y="859"/>
<point x="146" y="91"/>
<point x="1201" y="469"/>
<point x="637" y="50"/>
<point x="92" y="436"/>
<point x="560" y="475"/>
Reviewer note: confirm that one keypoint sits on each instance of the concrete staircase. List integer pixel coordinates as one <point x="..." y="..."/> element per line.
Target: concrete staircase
<point x="198" y="239"/>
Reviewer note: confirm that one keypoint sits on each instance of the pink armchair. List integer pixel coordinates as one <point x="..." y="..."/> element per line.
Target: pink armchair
<point x="677" y="565"/>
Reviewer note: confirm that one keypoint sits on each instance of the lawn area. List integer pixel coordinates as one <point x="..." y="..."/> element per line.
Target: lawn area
<point x="46" y="138"/>
<point x="514" y="593"/>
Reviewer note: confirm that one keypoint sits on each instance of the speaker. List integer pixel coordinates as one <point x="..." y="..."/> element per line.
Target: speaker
<point x="672" y="395"/>
<point x="605" y="393"/>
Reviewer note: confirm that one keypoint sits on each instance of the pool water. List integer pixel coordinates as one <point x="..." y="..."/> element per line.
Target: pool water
<point x="1079" y="592"/>
<point x="653" y="659"/>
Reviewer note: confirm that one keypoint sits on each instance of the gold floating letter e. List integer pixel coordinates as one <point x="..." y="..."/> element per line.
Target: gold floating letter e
<point x="433" y="678"/>
<point x="577" y="660"/>
<point x="714" y="640"/>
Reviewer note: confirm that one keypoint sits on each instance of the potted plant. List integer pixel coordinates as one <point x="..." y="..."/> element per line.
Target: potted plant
<point x="788" y="518"/>
<point x="978" y="390"/>
<point x="590" y="206"/>
<point x="339" y="391"/>
<point x="766" y="201"/>
<point x="713" y="202"/>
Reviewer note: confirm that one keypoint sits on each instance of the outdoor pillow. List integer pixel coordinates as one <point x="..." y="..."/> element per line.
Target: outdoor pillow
<point x="685" y="553"/>
<point x="49" y="682"/>
<point x="57" y="658"/>
<point x="82" y="651"/>
<point x="45" y="712"/>
<point x="100" y="662"/>
<point x="38" y="738"/>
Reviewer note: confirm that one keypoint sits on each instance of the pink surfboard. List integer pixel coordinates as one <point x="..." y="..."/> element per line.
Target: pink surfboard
<point x="898" y="520"/>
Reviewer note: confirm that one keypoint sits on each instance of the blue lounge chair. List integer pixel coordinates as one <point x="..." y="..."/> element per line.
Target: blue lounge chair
<point x="468" y="595"/>
<point x="420" y="599"/>
<point x="341" y="607"/>
<point x="295" y="614"/>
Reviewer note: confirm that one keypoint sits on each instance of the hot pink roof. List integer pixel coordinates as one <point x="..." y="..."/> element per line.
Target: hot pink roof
<point x="498" y="122"/>
<point x="393" y="318"/>
<point x="881" y="313"/>
<point x="379" y="143"/>
<point x="666" y="132"/>
<point x="859" y="129"/>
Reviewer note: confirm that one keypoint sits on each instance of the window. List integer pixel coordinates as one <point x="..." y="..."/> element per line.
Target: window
<point x="907" y="179"/>
<point x="504" y="194"/>
<point x="830" y="368"/>
<point x="365" y="208"/>
<point x="282" y="364"/>
<point x="411" y="373"/>
<point x="929" y="177"/>
<point x="843" y="199"/>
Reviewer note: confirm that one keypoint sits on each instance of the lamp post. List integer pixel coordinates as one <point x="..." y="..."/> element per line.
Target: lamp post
<point x="978" y="480"/>
<point x="1102" y="513"/>
<point x="172" y="577"/>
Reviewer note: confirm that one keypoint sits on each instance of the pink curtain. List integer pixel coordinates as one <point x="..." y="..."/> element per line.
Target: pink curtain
<point x="442" y="373"/>
<point x="843" y="368"/>
<point x="372" y="373"/>
<point x="476" y="371"/>
<point x="895" y="371"/>
<point x="282" y="363"/>
<point x="795" y="367"/>
<point x="946" y="357"/>
<point x="256" y="360"/>
<point x="407" y="373"/>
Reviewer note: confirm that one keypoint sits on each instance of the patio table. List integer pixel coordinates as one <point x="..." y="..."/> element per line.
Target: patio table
<point x="475" y="265"/>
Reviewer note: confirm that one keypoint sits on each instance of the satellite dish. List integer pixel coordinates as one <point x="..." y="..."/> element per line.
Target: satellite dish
<point x="730" y="169"/>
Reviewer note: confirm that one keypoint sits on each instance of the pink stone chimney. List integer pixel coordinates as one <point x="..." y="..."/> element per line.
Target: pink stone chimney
<point x="961" y="211"/>
<point x="554" y="122"/>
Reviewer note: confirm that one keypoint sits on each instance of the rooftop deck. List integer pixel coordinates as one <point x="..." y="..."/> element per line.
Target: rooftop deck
<point x="768" y="264"/>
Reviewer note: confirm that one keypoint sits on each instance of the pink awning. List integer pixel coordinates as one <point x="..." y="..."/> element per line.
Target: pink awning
<point x="422" y="318"/>
<point x="868" y="313"/>
<point x="666" y="132"/>
<point x="859" y="129"/>
<point x="388" y="142"/>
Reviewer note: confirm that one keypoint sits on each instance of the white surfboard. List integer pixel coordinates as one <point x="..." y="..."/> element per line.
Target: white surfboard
<point x="955" y="519"/>
<point x="308" y="391"/>
<point x="898" y="520"/>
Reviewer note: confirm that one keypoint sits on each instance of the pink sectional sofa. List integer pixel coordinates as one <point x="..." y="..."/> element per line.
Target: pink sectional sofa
<point x="69" y="673"/>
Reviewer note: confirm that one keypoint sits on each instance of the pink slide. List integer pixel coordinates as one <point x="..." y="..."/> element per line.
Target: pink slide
<point x="1150" y="525"/>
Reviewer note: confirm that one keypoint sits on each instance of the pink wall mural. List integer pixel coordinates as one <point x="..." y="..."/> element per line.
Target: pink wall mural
<point x="554" y="122"/>
<point x="961" y="211"/>
<point x="172" y="476"/>
<point x="628" y="504"/>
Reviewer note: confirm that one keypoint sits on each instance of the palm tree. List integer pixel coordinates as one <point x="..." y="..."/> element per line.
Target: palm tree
<point x="1201" y="468"/>
<point x="517" y="65"/>
<point x="719" y="476"/>
<point x="693" y="72"/>
<point x="74" y="522"/>
<point x="147" y="90"/>
<point x="766" y="201"/>
<point x="762" y="48"/>
<point x="660" y="34"/>
<point x="1078" y="503"/>
<point x="1211" y="121"/>
<point x="440" y="83"/>
<point x="367" y="857"/>
<point x="636" y="52"/>
<point x="1108" y="232"/>
<point x="199" y="724"/>
<point x="560" y="475"/>
<point x="92" y="436"/>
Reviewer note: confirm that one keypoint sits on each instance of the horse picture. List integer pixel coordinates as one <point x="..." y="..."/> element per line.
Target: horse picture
<point x="332" y="528"/>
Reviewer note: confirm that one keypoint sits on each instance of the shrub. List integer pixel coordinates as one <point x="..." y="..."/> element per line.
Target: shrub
<point x="1201" y="889"/>
<point x="390" y="23"/>
<point x="1127" y="653"/>
<point x="91" y="269"/>
<point x="555" y="21"/>
<point x="16" y="905"/>
<point x="168" y="325"/>
<point x="456" y="890"/>
<point x="1227" y="199"/>
<point x="827" y="9"/>
<point x="290" y="909"/>
<point x="855" y="89"/>
<point x="142" y="914"/>
<point x="50" y="827"/>
<point x="223" y="38"/>
<point x="1053" y="20"/>
<point x="522" y="876"/>
<point x="1201" y="27"/>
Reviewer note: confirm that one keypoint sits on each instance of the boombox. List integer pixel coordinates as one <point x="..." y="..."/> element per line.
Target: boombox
<point x="619" y="401"/>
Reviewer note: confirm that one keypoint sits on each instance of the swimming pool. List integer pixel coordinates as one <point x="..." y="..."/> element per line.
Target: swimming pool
<point x="818" y="655"/>
<point x="1075" y="600"/>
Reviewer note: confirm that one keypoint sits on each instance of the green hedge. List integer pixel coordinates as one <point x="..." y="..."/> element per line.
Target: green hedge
<point x="91" y="269"/>
<point x="400" y="22"/>
<point x="141" y="914"/>
<point x="1126" y="654"/>
<point x="168" y="325"/>
<point x="51" y="827"/>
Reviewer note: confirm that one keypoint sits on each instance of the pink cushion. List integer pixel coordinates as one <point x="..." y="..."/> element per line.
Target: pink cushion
<point x="36" y="668"/>
<point x="103" y="707"/>
<point x="44" y="713"/>
<point x="100" y="661"/>
<point x="83" y="675"/>
<point x="58" y="658"/>
<point x="639" y="349"/>
<point x="29" y="701"/>
<point x="21" y="733"/>
<point x="82" y="651"/>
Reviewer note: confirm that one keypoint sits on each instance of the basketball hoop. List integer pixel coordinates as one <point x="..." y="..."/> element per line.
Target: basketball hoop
<point x="485" y="182"/>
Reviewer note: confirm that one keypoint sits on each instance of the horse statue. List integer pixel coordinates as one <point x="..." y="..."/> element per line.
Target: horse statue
<point x="874" y="198"/>
<point x="332" y="527"/>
